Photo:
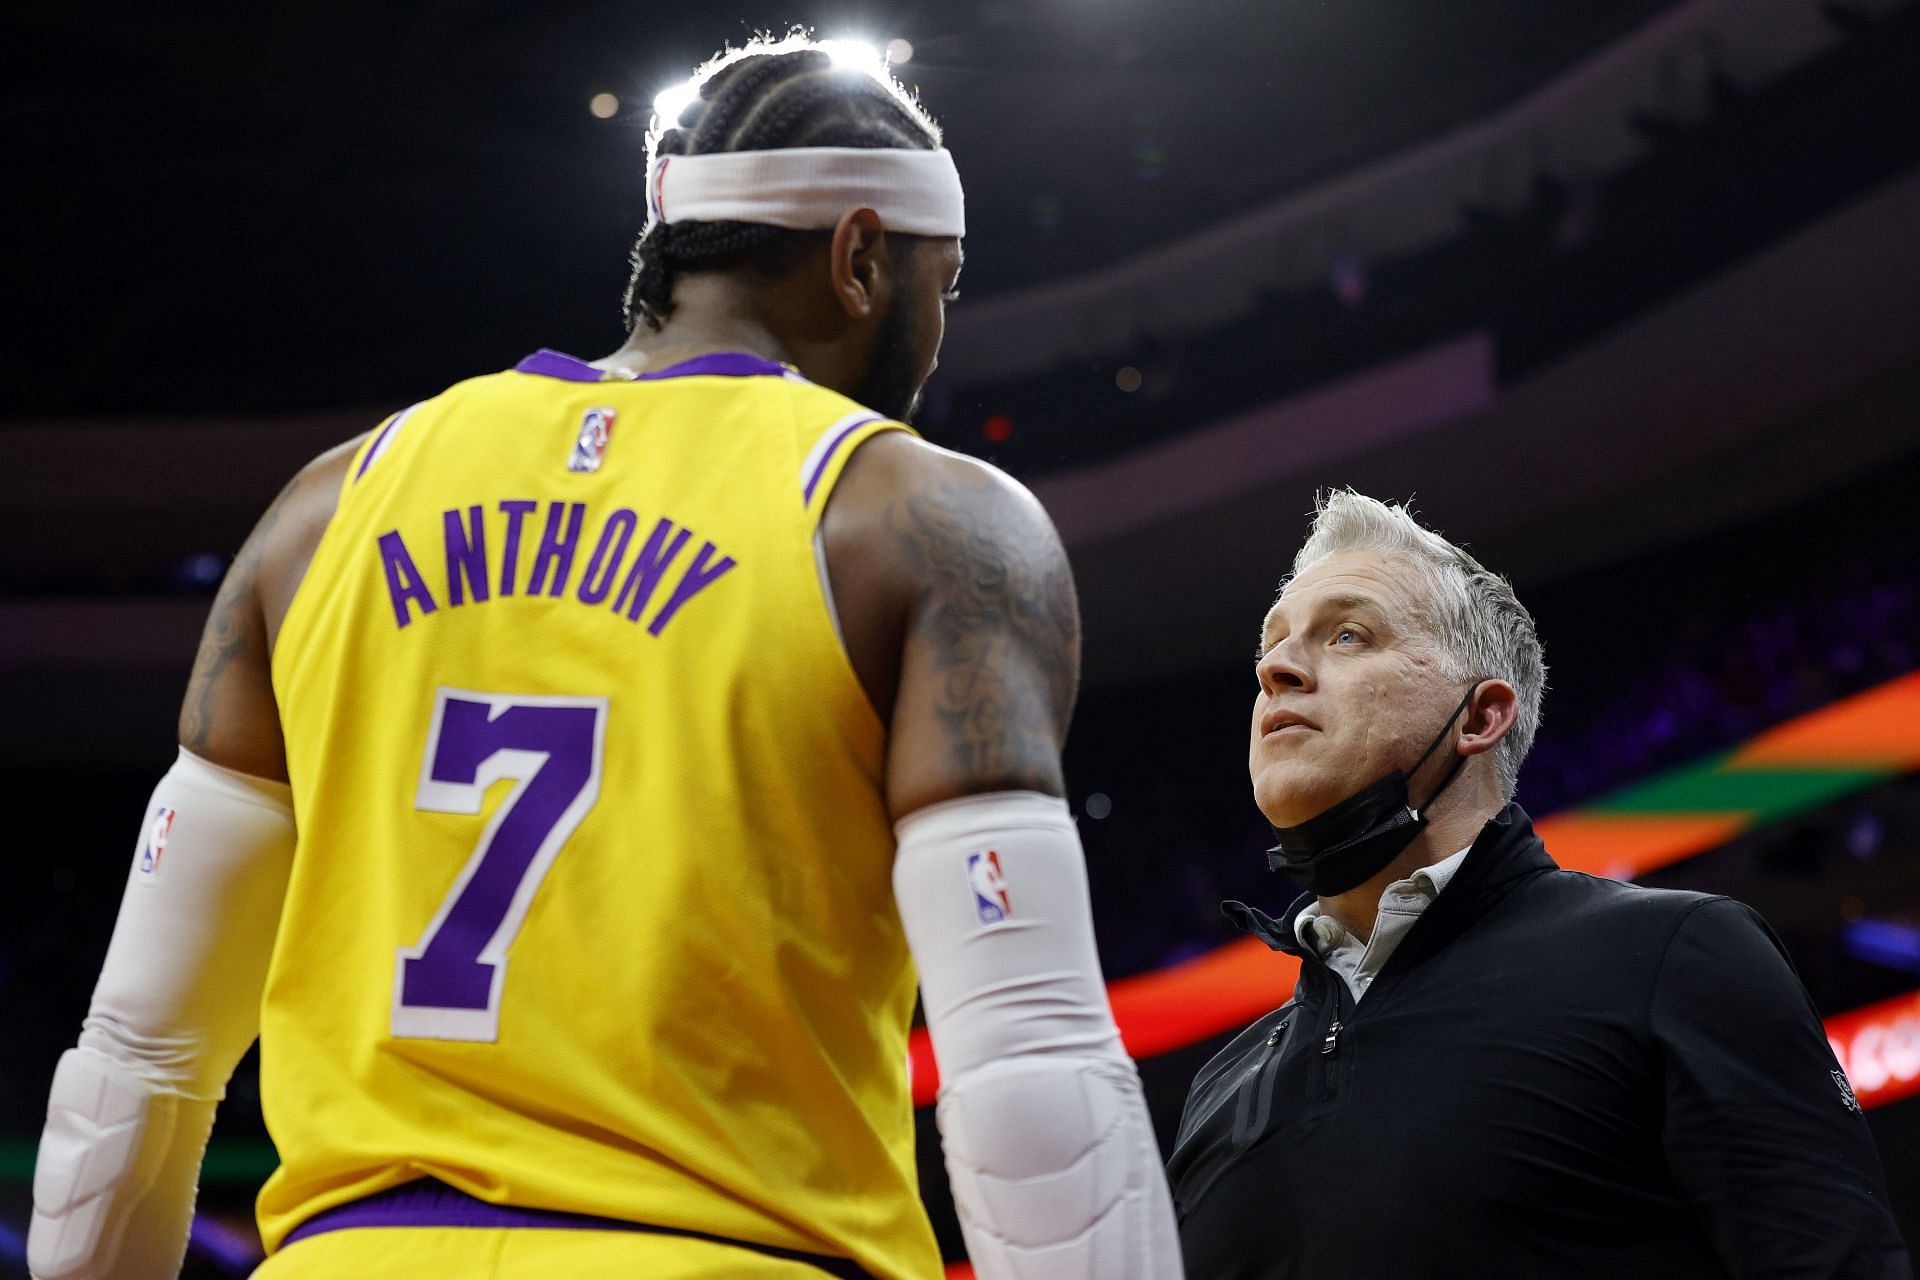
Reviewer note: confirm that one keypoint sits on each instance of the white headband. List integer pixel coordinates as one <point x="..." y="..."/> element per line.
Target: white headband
<point x="811" y="188"/>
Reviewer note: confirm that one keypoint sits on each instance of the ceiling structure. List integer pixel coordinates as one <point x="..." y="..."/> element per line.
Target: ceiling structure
<point x="249" y="242"/>
<point x="309" y="205"/>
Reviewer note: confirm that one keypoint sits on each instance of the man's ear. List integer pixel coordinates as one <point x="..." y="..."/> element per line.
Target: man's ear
<point x="860" y="264"/>
<point x="1491" y="714"/>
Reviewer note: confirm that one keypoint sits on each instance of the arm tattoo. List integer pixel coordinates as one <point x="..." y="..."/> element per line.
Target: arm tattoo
<point x="233" y="628"/>
<point x="999" y="623"/>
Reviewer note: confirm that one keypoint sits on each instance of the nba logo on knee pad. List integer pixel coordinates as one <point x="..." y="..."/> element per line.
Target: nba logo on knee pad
<point x="154" y="847"/>
<point x="989" y="887"/>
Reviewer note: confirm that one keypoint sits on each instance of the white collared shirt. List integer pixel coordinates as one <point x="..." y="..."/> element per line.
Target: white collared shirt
<point x="1359" y="963"/>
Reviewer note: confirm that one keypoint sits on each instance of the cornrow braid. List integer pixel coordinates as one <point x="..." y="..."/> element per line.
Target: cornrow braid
<point x="757" y="100"/>
<point x="732" y="90"/>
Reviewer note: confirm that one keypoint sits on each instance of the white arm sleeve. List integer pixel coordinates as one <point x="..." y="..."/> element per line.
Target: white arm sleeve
<point x="1052" y="1158"/>
<point x="177" y="1005"/>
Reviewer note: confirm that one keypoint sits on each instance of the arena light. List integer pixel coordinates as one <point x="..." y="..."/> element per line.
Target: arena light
<point x="671" y="101"/>
<point x="854" y="53"/>
<point x="1883" y="942"/>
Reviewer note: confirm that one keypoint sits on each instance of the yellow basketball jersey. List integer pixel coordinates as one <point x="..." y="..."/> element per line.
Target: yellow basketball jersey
<point x="592" y="905"/>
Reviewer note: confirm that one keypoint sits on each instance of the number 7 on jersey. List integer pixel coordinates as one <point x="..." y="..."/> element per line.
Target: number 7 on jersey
<point x="448" y="986"/>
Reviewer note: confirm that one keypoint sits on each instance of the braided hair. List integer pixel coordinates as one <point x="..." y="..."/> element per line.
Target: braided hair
<point x="769" y="95"/>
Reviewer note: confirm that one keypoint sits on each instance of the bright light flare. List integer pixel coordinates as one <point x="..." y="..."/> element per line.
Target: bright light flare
<point x="671" y="101"/>
<point x="604" y="106"/>
<point x="853" y="53"/>
<point x="899" y="52"/>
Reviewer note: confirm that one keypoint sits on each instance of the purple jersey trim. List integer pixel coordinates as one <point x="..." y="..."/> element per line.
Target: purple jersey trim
<point x="548" y="363"/>
<point x="427" y="1202"/>
<point x="820" y="467"/>
<point x="720" y="364"/>
<point x="381" y="441"/>
<point x="373" y="450"/>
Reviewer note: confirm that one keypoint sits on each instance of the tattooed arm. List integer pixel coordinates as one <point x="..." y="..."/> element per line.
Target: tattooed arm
<point x="960" y="616"/>
<point x="229" y="716"/>
<point x="178" y="999"/>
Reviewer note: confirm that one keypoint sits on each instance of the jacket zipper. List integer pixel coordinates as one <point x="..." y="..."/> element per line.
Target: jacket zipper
<point x="1253" y="1103"/>
<point x="1330" y="1043"/>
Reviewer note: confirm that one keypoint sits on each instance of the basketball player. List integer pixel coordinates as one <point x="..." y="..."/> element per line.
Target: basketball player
<point x="637" y="717"/>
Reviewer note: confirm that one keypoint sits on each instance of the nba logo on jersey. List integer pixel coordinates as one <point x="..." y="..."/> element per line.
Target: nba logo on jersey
<point x="989" y="887"/>
<point x="590" y="446"/>
<point x="155" y="846"/>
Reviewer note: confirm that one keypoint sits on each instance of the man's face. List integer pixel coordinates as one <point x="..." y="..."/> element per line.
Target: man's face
<point x="908" y="343"/>
<point x="1350" y="685"/>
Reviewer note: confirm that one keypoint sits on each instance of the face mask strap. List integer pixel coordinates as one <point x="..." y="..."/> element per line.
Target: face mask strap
<point x="1459" y="762"/>
<point x="1335" y="850"/>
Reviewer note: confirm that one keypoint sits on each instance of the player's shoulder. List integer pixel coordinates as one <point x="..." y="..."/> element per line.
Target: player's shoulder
<point x="499" y="384"/>
<point x="314" y="490"/>
<point x="915" y="471"/>
<point x="944" y="517"/>
<point x="507" y="394"/>
<point x="813" y="399"/>
<point x="511" y="390"/>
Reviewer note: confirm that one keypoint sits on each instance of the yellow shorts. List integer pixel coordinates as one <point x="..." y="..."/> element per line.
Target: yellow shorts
<point x="519" y="1253"/>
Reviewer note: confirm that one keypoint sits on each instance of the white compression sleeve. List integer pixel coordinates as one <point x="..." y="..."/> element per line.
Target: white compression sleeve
<point x="177" y="1005"/>
<point x="1052" y="1158"/>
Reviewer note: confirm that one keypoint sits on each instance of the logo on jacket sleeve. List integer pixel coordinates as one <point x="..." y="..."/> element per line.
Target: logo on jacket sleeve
<point x="154" y="846"/>
<point x="590" y="446"/>
<point x="989" y="887"/>
<point x="1847" y="1099"/>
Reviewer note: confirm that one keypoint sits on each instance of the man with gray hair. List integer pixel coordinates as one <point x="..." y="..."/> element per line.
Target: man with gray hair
<point x="1492" y="1067"/>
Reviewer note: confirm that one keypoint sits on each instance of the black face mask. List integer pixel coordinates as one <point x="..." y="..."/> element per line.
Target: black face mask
<point x="1354" y="841"/>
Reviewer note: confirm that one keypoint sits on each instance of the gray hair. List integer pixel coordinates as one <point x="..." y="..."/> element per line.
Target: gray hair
<point x="1480" y="627"/>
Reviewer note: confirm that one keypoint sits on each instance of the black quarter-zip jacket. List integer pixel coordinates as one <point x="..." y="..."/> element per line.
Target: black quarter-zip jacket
<point x="1554" y="1075"/>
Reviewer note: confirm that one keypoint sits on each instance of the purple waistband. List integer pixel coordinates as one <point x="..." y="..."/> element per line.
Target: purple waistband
<point x="427" y="1203"/>
<point x="430" y="1203"/>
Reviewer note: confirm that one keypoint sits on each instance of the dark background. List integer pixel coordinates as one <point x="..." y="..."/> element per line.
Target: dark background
<point x="1623" y="295"/>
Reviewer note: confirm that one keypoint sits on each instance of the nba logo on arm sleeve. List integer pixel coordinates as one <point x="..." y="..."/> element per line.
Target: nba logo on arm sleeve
<point x="989" y="885"/>
<point x="153" y="845"/>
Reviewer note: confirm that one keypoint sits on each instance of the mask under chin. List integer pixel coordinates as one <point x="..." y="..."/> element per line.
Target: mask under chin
<point x="1347" y="845"/>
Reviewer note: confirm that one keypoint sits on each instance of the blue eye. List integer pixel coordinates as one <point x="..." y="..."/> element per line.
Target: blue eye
<point x="1344" y="632"/>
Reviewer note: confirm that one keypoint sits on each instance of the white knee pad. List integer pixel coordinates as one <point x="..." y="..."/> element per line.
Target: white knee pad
<point x="1048" y="1145"/>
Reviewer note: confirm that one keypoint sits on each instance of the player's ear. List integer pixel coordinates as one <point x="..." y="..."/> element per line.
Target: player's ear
<point x="860" y="265"/>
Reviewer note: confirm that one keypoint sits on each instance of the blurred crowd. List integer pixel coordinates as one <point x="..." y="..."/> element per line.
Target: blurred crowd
<point x="1729" y="678"/>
